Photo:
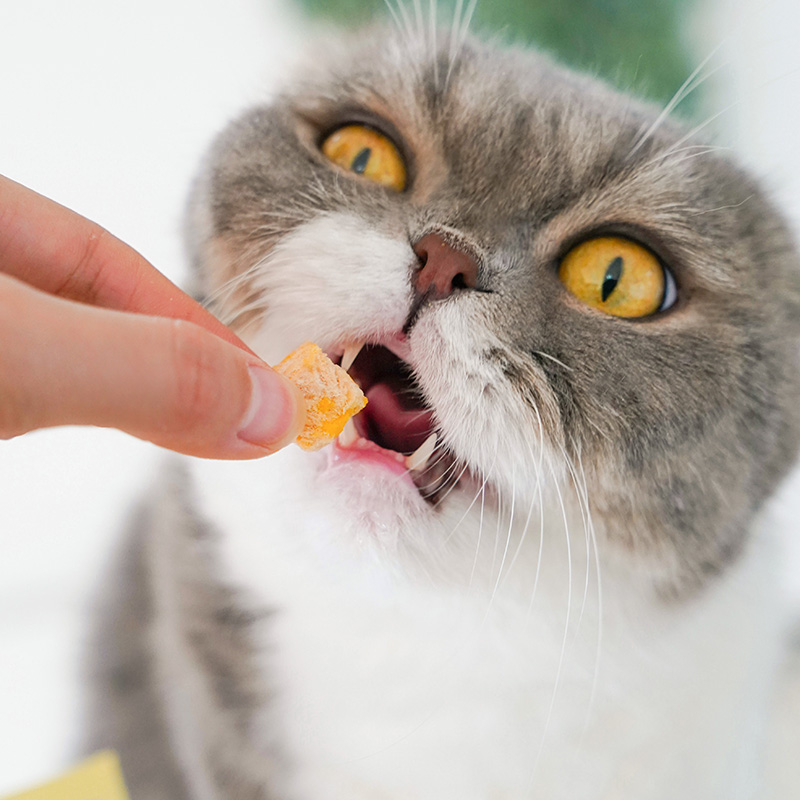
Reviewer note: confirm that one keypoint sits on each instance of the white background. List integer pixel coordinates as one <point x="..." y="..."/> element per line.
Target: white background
<point x="106" y="107"/>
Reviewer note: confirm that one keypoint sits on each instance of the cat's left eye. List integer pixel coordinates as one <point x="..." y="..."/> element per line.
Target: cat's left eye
<point x="618" y="276"/>
<point x="366" y="152"/>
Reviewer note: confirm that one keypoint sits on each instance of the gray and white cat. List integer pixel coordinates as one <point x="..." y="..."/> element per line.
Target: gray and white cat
<point x="572" y="597"/>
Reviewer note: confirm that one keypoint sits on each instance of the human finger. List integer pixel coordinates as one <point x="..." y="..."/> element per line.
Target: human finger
<point x="167" y="381"/>
<point x="62" y="253"/>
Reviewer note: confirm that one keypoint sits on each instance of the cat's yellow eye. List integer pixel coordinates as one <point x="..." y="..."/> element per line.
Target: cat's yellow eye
<point x="617" y="276"/>
<point x="367" y="152"/>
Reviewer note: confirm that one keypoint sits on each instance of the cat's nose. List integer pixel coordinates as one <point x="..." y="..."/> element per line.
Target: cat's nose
<point x="443" y="268"/>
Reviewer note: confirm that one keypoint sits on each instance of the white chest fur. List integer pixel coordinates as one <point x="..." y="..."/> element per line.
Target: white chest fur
<point x="393" y="686"/>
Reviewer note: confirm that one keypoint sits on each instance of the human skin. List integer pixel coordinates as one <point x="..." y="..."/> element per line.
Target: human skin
<point x="93" y="334"/>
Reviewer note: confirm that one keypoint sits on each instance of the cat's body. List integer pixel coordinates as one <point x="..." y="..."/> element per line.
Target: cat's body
<point x="365" y="690"/>
<point x="588" y="612"/>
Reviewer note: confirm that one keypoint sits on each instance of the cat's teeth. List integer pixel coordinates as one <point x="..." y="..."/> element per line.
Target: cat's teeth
<point x="349" y="355"/>
<point x="419" y="458"/>
<point x="349" y="434"/>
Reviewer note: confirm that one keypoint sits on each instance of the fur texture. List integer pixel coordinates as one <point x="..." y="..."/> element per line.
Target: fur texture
<point x="585" y="613"/>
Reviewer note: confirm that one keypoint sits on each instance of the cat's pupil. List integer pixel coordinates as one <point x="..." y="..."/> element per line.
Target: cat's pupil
<point x="360" y="161"/>
<point x="611" y="278"/>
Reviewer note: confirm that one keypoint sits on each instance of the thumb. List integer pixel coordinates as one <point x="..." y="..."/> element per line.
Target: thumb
<point x="164" y="380"/>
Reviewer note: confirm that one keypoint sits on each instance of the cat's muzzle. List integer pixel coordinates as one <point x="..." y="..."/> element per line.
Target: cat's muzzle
<point x="398" y="419"/>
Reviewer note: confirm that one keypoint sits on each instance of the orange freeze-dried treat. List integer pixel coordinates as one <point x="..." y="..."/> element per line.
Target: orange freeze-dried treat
<point x="332" y="396"/>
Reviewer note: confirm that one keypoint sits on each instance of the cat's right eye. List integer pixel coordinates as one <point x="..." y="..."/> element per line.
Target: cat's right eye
<point x="618" y="276"/>
<point x="366" y="152"/>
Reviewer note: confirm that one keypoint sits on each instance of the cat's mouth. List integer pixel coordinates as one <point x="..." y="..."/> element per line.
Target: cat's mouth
<point x="397" y="423"/>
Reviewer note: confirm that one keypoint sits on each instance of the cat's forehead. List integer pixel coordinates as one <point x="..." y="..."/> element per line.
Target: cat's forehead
<point x="474" y="100"/>
<point x="475" y="76"/>
<point x="490" y="125"/>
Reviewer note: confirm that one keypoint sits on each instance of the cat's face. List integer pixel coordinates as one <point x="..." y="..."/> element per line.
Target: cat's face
<point x="677" y="421"/>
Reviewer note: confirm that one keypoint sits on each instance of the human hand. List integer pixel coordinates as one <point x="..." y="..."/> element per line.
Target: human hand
<point x="92" y="334"/>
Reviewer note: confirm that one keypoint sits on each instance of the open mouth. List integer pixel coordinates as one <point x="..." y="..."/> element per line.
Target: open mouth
<point x="397" y="423"/>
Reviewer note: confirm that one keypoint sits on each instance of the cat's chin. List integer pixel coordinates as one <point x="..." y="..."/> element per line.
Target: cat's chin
<point x="373" y="491"/>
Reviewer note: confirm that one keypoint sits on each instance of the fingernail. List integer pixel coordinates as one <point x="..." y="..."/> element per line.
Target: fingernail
<point x="276" y="413"/>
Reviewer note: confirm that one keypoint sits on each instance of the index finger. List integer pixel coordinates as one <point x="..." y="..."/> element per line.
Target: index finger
<point x="62" y="253"/>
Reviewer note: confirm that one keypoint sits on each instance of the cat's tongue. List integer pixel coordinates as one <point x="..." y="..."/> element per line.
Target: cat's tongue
<point x="391" y="422"/>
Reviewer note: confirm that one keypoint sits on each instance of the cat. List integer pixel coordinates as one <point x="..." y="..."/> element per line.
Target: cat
<point x="573" y="595"/>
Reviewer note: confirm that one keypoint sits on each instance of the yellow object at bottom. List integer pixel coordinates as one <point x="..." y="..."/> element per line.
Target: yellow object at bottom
<point x="98" y="778"/>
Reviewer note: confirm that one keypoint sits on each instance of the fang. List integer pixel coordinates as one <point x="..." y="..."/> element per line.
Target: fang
<point x="419" y="458"/>
<point x="350" y="354"/>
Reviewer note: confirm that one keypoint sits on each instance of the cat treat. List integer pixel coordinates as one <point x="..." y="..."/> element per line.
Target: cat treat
<point x="332" y="396"/>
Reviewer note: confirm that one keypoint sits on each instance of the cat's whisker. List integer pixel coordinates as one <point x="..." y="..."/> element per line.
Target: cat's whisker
<point x="598" y="649"/>
<point x="446" y="479"/>
<point x="242" y="310"/>
<point x="579" y="486"/>
<point x="559" y="669"/>
<point x="675" y="162"/>
<point x="466" y="23"/>
<point x="438" y="455"/>
<point x="480" y="533"/>
<point x="284" y="216"/>
<point x="520" y="544"/>
<point x="230" y="319"/>
<point x="690" y="85"/>
<point x="540" y="494"/>
<point x="601" y="431"/>
<point x="696" y="149"/>
<point x="686" y="88"/>
<point x="466" y="513"/>
<point x="694" y="131"/>
<point x="281" y="215"/>
<point x="242" y="332"/>
<point x="395" y="18"/>
<point x="722" y="208"/>
<point x="508" y="536"/>
<point x="552" y="358"/>
<point x="584" y="510"/>
<point x="428" y="489"/>
<point x="419" y="32"/>
<point x="481" y="518"/>
<point x="452" y="49"/>
<point x="225" y="290"/>
<point x="459" y="33"/>
<point x="432" y="14"/>
<point x="314" y="202"/>
<point x="497" y="528"/>
<point x="449" y="471"/>
<point x="538" y="490"/>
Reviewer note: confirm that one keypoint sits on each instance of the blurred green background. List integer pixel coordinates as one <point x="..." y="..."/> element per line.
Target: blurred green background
<point x="638" y="45"/>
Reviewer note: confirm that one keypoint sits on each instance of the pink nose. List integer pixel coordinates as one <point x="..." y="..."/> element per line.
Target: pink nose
<point x="444" y="268"/>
